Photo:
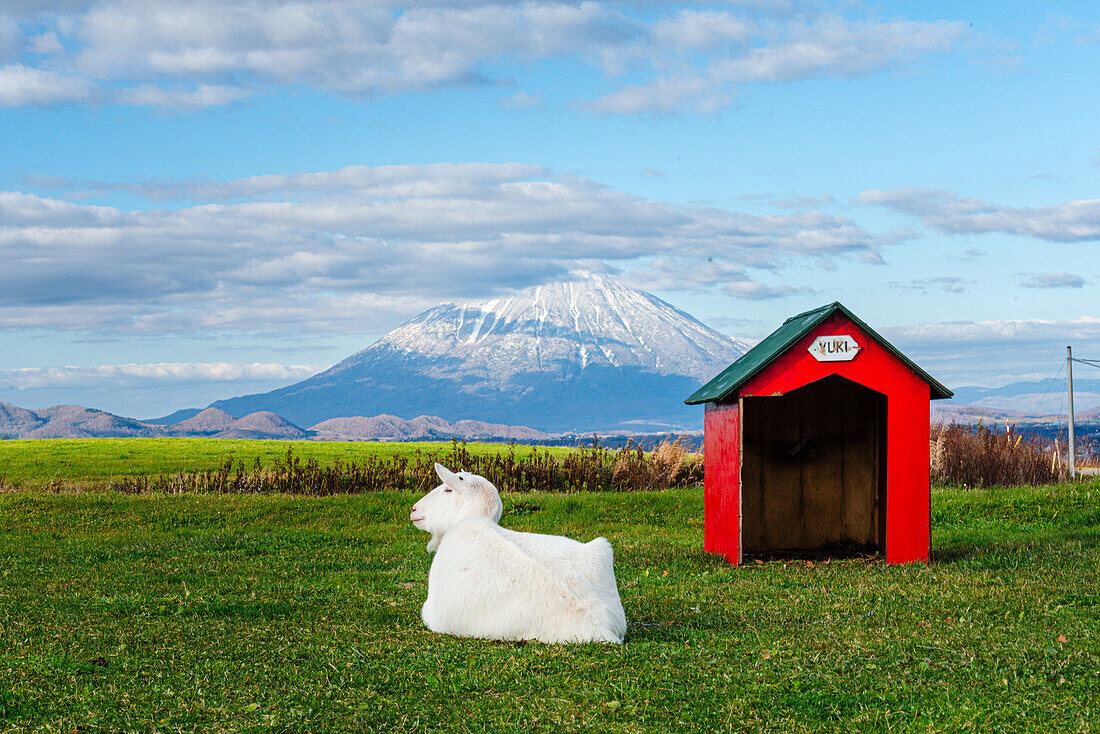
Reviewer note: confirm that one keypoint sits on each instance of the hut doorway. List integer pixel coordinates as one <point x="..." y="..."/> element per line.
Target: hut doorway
<point x="813" y="476"/>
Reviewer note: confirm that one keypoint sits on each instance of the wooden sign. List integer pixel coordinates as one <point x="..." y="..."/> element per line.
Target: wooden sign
<point x="839" y="348"/>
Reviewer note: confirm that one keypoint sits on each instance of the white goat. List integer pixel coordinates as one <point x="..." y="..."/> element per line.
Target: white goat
<point x="490" y="582"/>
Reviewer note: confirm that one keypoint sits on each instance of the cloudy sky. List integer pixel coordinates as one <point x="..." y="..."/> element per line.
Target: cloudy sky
<point x="201" y="199"/>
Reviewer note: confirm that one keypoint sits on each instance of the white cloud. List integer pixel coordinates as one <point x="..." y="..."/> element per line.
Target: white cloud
<point x="300" y="249"/>
<point x="350" y="48"/>
<point x="994" y="352"/>
<point x="703" y="30"/>
<point x="45" y="43"/>
<point x="944" y="283"/>
<point x="756" y="291"/>
<point x="804" y="202"/>
<point x="1087" y="39"/>
<point x="676" y="273"/>
<point x="826" y="46"/>
<point x="22" y="86"/>
<point x="24" y="10"/>
<point x="193" y="98"/>
<point x="831" y="46"/>
<point x="11" y="40"/>
<point x="159" y="373"/>
<point x="521" y="100"/>
<point x="676" y="93"/>
<point x="188" y="54"/>
<point x="946" y="211"/>
<point x="1055" y="280"/>
<point x="1007" y="332"/>
<point x="144" y="390"/>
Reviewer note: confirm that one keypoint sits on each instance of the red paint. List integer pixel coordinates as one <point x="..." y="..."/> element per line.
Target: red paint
<point x="721" y="475"/>
<point x="907" y="429"/>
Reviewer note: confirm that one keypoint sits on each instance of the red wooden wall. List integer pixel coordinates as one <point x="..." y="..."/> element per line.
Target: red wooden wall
<point x="721" y="481"/>
<point x="907" y="428"/>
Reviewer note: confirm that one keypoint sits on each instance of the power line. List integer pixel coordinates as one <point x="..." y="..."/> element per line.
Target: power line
<point x="1089" y="362"/>
<point x="1050" y="385"/>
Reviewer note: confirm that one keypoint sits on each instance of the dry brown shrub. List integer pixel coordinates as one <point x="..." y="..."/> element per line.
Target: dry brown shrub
<point x="668" y="462"/>
<point x="975" y="456"/>
<point x="595" y="468"/>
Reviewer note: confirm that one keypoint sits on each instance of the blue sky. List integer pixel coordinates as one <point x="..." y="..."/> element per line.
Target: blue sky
<point x="197" y="202"/>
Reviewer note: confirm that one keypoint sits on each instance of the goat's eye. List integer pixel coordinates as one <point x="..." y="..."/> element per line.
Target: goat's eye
<point x="462" y="479"/>
<point x="448" y="489"/>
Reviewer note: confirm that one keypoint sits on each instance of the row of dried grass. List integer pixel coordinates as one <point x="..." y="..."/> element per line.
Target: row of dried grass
<point x="596" y="468"/>
<point x="976" y="456"/>
<point x="960" y="455"/>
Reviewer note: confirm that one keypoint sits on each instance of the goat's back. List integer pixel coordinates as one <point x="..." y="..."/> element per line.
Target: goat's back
<point x="527" y="585"/>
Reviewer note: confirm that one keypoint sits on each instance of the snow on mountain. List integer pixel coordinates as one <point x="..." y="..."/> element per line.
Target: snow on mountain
<point x="584" y="354"/>
<point x="592" y="321"/>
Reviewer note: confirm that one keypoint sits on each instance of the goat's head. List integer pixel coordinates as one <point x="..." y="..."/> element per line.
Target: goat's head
<point x="462" y="495"/>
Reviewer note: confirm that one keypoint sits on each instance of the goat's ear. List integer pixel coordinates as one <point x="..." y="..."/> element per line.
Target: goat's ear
<point x="449" y="478"/>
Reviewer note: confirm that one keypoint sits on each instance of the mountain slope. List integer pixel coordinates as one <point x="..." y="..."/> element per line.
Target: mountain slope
<point x="16" y="421"/>
<point x="578" y="355"/>
<point x="425" y="427"/>
<point x="1039" y="396"/>
<point x="204" y="423"/>
<point x="261" y="424"/>
<point x="74" y="421"/>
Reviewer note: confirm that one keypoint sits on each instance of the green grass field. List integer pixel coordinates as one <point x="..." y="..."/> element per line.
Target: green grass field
<point x="257" y="613"/>
<point x="37" y="464"/>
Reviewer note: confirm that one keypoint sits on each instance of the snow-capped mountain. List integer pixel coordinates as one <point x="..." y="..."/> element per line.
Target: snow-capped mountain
<point x="588" y="353"/>
<point x="564" y="328"/>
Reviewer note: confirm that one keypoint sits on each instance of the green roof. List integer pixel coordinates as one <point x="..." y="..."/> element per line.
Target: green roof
<point x="782" y="339"/>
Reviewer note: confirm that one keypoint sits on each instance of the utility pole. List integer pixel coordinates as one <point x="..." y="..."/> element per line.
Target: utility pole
<point x="1069" y="371"/>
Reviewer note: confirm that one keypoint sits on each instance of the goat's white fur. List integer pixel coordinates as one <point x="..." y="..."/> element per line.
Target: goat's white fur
<point x="490" y="582"/>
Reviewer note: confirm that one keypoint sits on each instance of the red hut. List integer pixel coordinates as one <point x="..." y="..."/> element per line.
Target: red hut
<point x="817" y="438"/>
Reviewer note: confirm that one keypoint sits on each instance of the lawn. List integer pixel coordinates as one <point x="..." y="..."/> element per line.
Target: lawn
<point x="234" y="613"/>
<point x="76" y="461"/>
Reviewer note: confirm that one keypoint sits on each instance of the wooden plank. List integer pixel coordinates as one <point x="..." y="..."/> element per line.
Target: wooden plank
<point x="861" y="416"/>
<point x="782" y="487"/>
<point x="813" y="472"/>
<point x="822" y="460"/>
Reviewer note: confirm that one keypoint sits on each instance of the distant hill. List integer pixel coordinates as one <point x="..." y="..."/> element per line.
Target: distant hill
<point x="1037" y="397"/>
<point x="176" y="417"/>
<point x="15" y="421"/>
<point x="425" y="427"/>
<point x="582" y="355"/>
<point x="209" y="422"/>
<point x="74" y="421"/>
<point x="262" y="424"/>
